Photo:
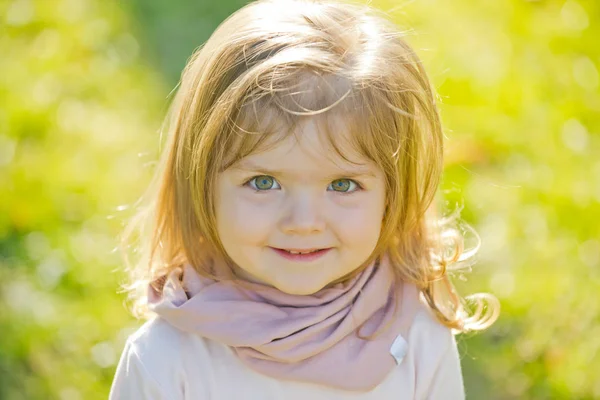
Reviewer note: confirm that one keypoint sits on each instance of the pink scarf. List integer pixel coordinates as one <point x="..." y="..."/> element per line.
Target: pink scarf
<point x="303" y="338"/>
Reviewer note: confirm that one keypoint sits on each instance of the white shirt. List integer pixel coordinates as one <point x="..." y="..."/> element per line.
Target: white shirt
<point x="162" y="362"/>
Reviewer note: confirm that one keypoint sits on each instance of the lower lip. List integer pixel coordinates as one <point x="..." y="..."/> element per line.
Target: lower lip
<point x="301" y="257"/>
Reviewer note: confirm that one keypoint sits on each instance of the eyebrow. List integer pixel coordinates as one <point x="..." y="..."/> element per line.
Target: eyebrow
<point x="249" y="166"/>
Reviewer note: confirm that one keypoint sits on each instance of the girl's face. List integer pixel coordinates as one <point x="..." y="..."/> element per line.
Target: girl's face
<point x="300" y="197"/>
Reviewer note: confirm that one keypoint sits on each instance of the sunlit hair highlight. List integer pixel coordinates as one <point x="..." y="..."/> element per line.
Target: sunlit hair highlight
<point x="269" y="67"/>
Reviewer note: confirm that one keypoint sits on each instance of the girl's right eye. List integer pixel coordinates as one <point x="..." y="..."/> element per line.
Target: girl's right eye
<point x="263" y="183"/>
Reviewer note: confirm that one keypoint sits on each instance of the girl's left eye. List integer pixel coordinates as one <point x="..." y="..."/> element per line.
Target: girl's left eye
<point x="344" y="186"/>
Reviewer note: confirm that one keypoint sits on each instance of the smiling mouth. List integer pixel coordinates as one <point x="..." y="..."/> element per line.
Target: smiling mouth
<point x="301" y="254"/>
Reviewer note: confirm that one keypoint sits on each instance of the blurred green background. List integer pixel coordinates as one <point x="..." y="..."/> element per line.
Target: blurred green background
<point x="83" y="89"/>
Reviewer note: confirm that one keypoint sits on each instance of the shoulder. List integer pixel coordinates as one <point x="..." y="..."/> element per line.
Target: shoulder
<point x="156" y="339"/>
<point x="145" y="370"/>
<point x="435" y="357"/>
<point x="162" y="362"/>
<point x="420" y="325"/>
<point x="163" y="348"/>
<point x="157" y="347"/>
<point x="156" y="359"/>
<point x="434" y="337"/>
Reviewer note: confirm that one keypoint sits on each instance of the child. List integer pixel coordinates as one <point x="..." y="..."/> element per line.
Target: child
<point x="290" y="254"/>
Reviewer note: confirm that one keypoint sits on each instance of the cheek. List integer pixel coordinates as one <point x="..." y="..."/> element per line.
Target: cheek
<point x="242" y="221"/>
<point x="359" y="226"/>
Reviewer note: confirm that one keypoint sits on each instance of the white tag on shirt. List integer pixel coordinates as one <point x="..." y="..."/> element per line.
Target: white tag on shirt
<point x="399" y="349"/>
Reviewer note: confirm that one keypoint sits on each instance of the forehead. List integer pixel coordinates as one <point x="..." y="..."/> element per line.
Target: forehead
<point x="323" y="140"/>
<point x="343" y="116"/>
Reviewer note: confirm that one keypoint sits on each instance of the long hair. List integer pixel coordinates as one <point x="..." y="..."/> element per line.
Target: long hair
<point x="267" y="68"/>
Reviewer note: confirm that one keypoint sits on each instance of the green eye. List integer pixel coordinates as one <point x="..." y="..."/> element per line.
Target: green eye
<point x="343" y="185"/>
<point x="263" y="182"/>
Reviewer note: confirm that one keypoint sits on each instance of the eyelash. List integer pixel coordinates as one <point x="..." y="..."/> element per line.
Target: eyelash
<point x="359" y="187"/>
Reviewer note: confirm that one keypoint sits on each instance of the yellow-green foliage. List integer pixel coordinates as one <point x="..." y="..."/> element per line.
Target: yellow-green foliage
<point x="83" y="88"/>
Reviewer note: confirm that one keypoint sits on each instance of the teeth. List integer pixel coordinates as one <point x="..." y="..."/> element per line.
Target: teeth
<point x="298" y="252"/>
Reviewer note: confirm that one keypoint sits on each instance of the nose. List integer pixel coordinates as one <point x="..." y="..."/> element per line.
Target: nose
<point x="304" y="215"/>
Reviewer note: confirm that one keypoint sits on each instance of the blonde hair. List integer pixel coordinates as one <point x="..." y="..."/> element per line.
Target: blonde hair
<point x="269" y="66"/>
